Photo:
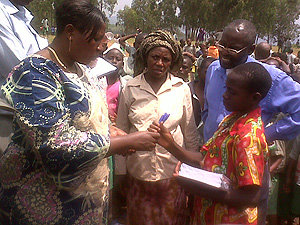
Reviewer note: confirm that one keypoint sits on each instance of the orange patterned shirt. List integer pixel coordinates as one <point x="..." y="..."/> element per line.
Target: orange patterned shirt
<point x="238" y="150"/>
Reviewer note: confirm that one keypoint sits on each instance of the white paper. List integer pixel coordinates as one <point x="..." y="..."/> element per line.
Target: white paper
<point x="102" y="68"/>
<point x="203" y="176"/>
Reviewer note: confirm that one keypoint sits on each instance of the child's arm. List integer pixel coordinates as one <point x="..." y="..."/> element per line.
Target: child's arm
<point x="123" y="39"/>
<point x="166" y="140"/>
<point x="277" y="162"/>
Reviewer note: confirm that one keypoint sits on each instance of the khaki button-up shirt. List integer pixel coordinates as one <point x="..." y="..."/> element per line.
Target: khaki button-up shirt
<point x="139" y="106"/>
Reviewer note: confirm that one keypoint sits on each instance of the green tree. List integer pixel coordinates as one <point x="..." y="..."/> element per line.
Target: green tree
<point x="169" y="19"/>
<point x="129" y="19"/>
<point x="149" y="14"/>
<point x="108" y="5"/>
<point x="42" y="9"/>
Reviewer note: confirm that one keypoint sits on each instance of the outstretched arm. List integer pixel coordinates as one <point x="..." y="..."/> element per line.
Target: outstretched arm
<point x="166" y="140"/>
<point x="123" y="39"/>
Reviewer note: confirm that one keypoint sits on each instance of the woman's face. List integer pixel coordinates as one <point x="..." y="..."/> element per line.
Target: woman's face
<point x="85" y="51"/>
<point x="159" y="60"/>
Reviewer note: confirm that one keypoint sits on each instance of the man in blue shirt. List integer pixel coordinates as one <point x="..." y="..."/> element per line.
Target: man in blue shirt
<point x="235" y="47"/>
<point x="17" y="40"/>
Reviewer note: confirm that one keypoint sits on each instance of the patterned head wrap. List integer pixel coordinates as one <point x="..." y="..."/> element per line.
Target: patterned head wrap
<point x="158" y="38"/>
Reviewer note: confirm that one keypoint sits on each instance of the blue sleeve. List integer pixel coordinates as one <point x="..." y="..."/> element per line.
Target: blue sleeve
<point x="204" y="112"/>
<point x="284" y="96"/>
<point x="44" y="124"/>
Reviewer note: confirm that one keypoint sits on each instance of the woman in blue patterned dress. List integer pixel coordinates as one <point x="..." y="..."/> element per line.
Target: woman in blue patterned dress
<point x="55" y="170"/>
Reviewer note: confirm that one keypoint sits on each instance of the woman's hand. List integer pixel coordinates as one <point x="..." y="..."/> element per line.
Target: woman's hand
<point x="114" y="131"/>
<point x="143" y="140"/>
<point x="166" y="139"/>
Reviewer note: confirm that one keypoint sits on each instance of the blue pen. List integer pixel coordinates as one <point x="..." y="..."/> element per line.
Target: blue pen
<point x="161" y="118"/>
<point x="164" y="117"/>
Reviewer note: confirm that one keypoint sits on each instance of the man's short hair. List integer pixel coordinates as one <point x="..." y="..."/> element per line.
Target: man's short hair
<point x="256" y="76"/>
<point x="249" y="28"/>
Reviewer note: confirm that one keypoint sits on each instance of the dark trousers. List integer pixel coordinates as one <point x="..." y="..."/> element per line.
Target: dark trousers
<point x="264" y="195"/>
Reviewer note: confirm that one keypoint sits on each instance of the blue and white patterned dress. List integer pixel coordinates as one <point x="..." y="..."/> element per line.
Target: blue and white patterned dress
<point x="55" y="170"/>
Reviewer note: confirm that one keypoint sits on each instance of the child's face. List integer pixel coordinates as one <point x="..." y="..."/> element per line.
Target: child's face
<point x="237" y="97"/>
<point x="115" y="57"/>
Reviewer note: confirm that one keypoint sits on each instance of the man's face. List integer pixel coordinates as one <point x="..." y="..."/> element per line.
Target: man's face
<point x="233" y="39"/>
<point x="21" y="2"/>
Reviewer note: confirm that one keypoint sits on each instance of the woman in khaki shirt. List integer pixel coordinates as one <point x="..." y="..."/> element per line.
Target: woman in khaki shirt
<point x="154" y="197"/>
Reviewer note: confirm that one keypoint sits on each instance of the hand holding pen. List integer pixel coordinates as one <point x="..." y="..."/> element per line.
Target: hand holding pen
<point x="163" y="118"/>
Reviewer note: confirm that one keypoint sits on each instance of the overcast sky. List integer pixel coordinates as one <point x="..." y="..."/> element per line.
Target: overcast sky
<point x="121" y="4"/>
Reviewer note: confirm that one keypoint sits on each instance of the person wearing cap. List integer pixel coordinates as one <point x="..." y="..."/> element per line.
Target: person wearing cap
<point x="114" y="55"/>
<point x="115" y="83"/>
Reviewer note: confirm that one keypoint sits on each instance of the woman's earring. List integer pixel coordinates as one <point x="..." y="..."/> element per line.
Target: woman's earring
<point x="70" y="43"/>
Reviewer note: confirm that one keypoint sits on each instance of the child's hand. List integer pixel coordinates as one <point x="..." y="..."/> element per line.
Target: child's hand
<point x="166" y="139"/>
<point x="177" y="169"/>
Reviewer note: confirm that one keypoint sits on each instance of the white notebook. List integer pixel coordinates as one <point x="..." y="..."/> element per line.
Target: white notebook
<point x="217" y="180"/>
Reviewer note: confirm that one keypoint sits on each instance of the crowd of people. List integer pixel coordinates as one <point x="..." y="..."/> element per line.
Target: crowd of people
<point x="83" y="148"/>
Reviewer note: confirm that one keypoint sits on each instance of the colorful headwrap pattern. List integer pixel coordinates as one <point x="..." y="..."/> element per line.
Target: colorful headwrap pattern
<point x="158" y="38"/>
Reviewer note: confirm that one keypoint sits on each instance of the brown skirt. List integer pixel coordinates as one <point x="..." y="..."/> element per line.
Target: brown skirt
<point x="161" y="202"/>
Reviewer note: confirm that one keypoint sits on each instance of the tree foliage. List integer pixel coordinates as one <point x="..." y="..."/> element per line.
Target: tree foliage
<point x="271" y="17"/>
<point x="129" y="19"/>
<point x="42" y="9"/>
<point x="150" y="15"/>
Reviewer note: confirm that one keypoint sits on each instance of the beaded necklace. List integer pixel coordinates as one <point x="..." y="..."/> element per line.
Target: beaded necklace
<point x="57" y="59"/>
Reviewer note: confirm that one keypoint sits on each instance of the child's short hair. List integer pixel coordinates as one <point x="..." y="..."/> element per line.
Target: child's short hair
<point x="257" y="77"/>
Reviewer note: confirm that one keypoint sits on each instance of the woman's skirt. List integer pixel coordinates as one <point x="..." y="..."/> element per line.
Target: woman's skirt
<point x="159" y="202"/>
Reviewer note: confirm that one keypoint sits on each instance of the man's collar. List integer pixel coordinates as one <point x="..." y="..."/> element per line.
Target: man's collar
<point x="249" y="59"/>
<point x="141" y="81"/>
<point x="9" y="7"/>
<point x="12" y="9"/>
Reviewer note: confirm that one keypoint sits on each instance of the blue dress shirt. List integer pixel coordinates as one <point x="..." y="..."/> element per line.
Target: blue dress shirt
<point x="283" y="96"/>
<point x="17" y="38"/>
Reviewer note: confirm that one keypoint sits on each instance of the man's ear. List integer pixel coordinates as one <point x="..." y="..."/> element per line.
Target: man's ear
<point x="251" y="49"/>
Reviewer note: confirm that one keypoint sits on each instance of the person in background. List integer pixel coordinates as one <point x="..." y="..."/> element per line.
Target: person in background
<point x="182" y="43"/>
<point x="198" y="49"/>
<point x="204" y="54"/>
<point x="129" y="62"/>
<point x="262" y="51"/>
<point x="55" y="171"/>
<point x="18" y="39"/>
<point x="114" y="55"/>
<point x="189" y="47"/>
<point x="292" y="179"/>
<point x="277" y="158"/>
<point x="154" y="197"/>
<point x="184" y="71"/>
<point x="236" y="150"/>
<point x="115" y="83"/>
<point x="213" y="50"/>
<point x="197" y="92"/>
<point x="201" y="34"/>
<point x="290" y="56"/>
